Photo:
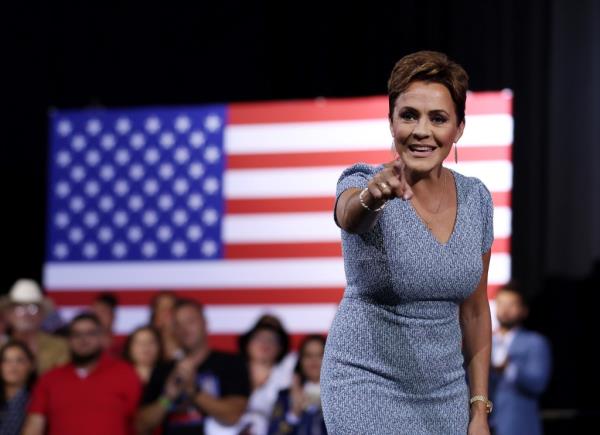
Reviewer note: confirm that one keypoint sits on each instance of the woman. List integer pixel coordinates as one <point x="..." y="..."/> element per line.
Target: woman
<point x="143" y="349"/>
<point x="17" y="375"/>
<point x="298" y="409"/>
<point x="265" y="347"/>
<point x="161" y="318"/>
<point x="416" y="241"/>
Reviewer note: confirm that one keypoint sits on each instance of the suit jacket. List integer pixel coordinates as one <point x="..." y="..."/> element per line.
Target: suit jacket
<point x="515" y="391"/>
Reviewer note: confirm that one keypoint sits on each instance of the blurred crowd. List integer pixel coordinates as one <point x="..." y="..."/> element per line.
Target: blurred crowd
<point x="163" y="378"/>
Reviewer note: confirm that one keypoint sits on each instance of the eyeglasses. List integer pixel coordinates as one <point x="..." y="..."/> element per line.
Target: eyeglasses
<point x="26" y="309"/>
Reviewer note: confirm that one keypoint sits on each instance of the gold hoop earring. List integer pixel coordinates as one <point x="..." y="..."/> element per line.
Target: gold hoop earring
<point x="455" y="153"/>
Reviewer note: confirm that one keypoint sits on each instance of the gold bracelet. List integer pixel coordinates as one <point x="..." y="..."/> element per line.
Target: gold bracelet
<point x="488" y="403"/>
<point x="362" y="201"/>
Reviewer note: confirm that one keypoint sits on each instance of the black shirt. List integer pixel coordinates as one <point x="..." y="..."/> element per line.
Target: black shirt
<point x="220" y="375"/>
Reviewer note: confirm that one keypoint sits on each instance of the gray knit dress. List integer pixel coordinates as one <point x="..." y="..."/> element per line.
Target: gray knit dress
<point x="393" y="362"/>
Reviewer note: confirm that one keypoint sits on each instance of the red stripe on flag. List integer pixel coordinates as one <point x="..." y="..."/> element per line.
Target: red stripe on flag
<point x="501" y="245"/>
<point x="310" y="204"/>
<point x="212" y="296"/>
<point x="336" y="109"/>
<point x="289" y="160"/>
<point x="502" y="199"/>
<point x="279" y="205"/>
<point x="489" y="103"/>
<point x="126" y="297"/>
<point x="280" y="250"/>
<point x="346" y="158"/>
<point x="308" y="110"/>
<point x="307" y="249"/>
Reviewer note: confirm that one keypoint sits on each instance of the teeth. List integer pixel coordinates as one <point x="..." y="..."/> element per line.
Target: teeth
<point x="421" y="148"/>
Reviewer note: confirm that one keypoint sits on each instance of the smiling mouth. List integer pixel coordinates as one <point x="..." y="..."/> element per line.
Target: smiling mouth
<point x="421" y="150"/>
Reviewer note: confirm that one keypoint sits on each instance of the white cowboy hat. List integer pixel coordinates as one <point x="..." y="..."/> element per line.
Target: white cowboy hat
<point x="27" y="291"/>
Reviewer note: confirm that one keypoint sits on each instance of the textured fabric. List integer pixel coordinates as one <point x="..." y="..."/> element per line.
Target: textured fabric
<point x="393" y="361"/>
<point x="12" y="414"/>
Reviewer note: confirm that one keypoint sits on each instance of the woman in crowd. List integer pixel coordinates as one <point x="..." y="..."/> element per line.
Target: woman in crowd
<point x="161" y="318"/>
<point x="298" y="408"/>
<point x="265" y="347"/>
<point x="17" y="375"/>
<point x="143" y="349"/>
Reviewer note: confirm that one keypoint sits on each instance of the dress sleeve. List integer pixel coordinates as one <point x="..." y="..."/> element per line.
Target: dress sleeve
<point x="487" y="208"/>
<point x="357" y="176"/>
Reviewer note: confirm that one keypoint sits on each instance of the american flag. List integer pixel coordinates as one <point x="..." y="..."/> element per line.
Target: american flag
<point x="232" y="205"/>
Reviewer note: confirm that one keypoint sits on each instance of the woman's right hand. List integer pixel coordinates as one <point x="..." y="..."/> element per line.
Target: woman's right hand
<point x="389" y="183"/>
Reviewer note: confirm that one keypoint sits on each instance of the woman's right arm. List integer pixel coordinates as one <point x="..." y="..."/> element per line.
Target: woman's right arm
<point x="350" y="213"/>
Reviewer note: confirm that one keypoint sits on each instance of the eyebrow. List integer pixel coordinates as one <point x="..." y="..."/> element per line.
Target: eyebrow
<point x="416" y="110"/>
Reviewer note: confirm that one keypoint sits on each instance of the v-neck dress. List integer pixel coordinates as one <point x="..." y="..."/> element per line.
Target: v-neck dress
<point x="393" y="362"/>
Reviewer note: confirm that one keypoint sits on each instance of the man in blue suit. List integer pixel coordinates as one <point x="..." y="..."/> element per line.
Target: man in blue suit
<point x="521" y="364"/>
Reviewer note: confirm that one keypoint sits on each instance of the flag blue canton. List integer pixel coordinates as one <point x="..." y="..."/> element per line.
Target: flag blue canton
<point x="144" y="184"/>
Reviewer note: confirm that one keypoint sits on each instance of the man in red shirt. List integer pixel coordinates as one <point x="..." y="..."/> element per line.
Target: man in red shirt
<point x="93" y="395"/>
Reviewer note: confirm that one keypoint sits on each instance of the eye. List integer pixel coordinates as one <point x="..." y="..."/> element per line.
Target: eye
<point x="439" y="119"/>
<point x="408" y="115"/>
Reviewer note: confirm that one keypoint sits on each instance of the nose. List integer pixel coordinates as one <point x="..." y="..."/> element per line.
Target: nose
<point x="421" y="130"/>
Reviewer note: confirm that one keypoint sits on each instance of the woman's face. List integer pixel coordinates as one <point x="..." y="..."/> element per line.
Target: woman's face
<point x="144" y="348"/>
<point x="264" y="346"/>
<point x="424" y="126"/>
<point x="164" y="311"/>
<point x="312" y="357"/>
<point x="15" y="367"/>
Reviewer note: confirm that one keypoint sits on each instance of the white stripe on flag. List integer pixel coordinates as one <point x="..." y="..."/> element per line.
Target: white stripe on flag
<point x="230" y="319"/>
<point x="313" y="272"/>
<point x="480" y="130"/>
<point x="222" y="274"/>
<point x="280" y="227"/>
<point x="499" y="271"/>
<point x="310" y="227"/>
<point x="497" y="175"/>
<point x="321" y="181"/>
<point x="502" y="222"/>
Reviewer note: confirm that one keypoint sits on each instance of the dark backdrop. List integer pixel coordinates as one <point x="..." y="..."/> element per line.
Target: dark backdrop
<point x="102" y="53"/>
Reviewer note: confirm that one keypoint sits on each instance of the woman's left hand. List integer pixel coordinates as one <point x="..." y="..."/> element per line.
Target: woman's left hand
<point x="479" y="425"/>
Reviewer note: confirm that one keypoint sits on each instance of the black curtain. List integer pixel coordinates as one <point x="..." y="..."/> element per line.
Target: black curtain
<point x="573" y="205"/>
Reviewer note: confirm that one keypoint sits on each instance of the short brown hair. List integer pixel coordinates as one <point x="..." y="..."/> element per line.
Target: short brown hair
<point x="513" y="287"/>
<point x="185" y="302"/>
<point x="429" y="66"/>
